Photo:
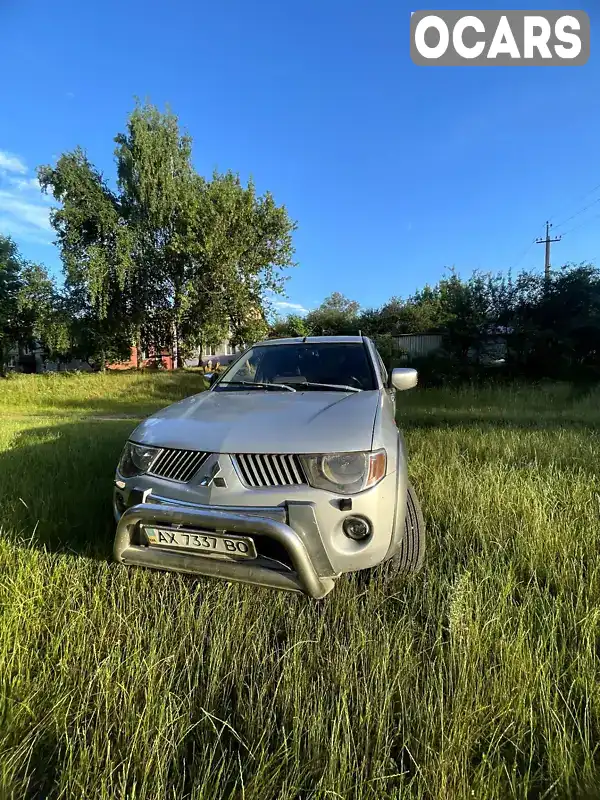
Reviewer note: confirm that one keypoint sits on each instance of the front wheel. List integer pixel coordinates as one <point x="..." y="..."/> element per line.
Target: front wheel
<point x="412" y="548"/>
<point x="410" y="552"/>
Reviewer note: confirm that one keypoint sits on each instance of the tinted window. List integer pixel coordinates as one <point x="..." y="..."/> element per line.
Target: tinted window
<point x="339" y="363"/>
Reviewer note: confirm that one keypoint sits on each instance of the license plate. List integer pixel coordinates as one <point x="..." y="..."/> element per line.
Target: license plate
<point x="208" y="543"/>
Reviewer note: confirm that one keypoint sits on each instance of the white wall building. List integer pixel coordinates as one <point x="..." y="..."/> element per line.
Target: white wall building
<point x="223" y="353"/>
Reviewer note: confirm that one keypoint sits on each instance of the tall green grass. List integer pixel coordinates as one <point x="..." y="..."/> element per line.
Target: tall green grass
<point x="477" y="678"/>
<point x="135" y="392"/>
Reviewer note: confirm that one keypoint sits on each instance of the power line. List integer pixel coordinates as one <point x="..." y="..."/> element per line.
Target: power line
<point x="577" y="213"/>
<point x="579" y="197"/>
<point x="581" y="224"/>
<point x="522" y="256"/>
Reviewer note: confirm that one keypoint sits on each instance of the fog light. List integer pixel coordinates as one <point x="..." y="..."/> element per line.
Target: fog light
<point x="356" y="528"/>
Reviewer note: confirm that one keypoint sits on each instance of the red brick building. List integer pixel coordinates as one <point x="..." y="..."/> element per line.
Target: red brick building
<point x="144" y="360"/>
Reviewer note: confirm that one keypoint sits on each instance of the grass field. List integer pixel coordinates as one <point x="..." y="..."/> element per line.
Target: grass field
<point x="477" y="678"/>
<point x="128" y="393"/>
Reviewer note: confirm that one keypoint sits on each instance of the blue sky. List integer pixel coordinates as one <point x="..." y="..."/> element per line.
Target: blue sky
<point x="392" y="171"/>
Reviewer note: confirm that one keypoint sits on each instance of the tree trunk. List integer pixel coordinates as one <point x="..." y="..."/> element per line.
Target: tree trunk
<point x="138" y="346"/>
<point x="3" y="360"/>
<point x="175" y="354"/>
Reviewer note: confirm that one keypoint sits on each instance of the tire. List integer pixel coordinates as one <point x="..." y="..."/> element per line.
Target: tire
<point x="411" y="552"/>
<point x="409" y="556"/>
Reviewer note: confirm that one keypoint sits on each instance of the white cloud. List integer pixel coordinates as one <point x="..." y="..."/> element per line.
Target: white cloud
<point x="26" y="184"/>
<point x="283" y="305"/>
<point x="11" y="163"/>
<point x="24" y="210"/>
<point x="9" y="226"/>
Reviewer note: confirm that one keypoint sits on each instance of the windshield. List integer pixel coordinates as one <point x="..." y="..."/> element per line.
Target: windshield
<point x="322" y="366"/>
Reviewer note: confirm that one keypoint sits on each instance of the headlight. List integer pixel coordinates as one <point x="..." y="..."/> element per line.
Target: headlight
<point x="345" y="473"/>
<point x="137" y="459"/>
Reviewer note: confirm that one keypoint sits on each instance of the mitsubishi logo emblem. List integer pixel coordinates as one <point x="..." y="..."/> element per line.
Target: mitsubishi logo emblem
<point x="209" y="478"/>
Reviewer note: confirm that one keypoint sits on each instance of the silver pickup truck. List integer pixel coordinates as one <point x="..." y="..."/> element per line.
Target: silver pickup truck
<point x="287" y="472"/>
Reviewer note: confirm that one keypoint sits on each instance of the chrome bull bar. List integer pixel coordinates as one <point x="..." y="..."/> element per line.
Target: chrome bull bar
<point x="304" y="579"/>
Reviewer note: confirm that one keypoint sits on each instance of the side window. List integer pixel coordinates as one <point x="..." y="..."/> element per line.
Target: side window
<point x="383" y="370"/>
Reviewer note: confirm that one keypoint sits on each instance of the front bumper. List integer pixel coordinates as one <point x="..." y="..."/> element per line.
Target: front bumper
<point x="130" y="549"/>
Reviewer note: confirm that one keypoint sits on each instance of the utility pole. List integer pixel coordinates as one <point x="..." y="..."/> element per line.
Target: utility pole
<point x="547" y="241"/>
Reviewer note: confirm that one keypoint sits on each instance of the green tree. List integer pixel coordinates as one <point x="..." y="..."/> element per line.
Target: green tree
<point x="244" y="245"/>
<point x="423" y="312"/>
<point x="558" y="324"/>
<point x="419" y="313"/>
<point x="11" y="320"/>
<point x="289" y="327"/>
<point x="97" y="249"/>
<point x="158" y="196"/>
<point x="45" y="313"/>
<point x="467" y="313"/>
<point x="30" y="305"/>
<point x="337" y="315"/>
<point x="169" y="255"/>
<point x="213" y="247"/>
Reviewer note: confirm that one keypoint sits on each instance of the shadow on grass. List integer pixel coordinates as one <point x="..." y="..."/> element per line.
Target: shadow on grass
<point x="56" y="486"/>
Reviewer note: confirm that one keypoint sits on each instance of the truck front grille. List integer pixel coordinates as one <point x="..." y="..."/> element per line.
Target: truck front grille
<point x="177" y="465"/>
<point x="270" y="470"/>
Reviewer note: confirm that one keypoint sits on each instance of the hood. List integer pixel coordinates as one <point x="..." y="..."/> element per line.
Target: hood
<point x="265" y="422"/>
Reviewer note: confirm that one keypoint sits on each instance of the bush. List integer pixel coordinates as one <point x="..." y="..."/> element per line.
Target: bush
<point x="444" y="369"/>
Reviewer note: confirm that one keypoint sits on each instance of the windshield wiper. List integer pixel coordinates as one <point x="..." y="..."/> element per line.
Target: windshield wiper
<point x="283" y="386"/>
<point x="338" y="387"/>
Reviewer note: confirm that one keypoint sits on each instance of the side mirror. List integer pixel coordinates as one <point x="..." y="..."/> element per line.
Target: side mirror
<point x="211" y="377"/>
<point x="404" y="378"/>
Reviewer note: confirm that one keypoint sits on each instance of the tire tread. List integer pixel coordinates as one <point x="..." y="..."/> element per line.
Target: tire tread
<point x="412" y="548"/>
